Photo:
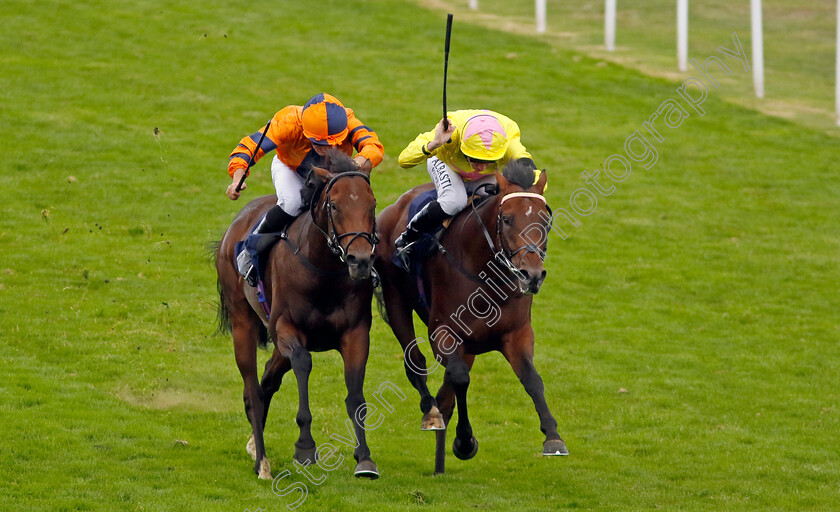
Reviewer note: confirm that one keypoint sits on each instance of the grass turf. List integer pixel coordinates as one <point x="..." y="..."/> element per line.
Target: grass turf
<point x="799" y="44"/>
<point x="686" y="332"/>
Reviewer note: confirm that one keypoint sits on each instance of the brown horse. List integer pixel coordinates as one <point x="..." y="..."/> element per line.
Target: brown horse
<point x="477" y="298"/>
<point x="318" y="283"/>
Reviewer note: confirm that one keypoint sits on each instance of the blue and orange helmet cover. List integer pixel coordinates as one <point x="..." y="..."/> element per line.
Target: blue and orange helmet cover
<point x="324" y="120"/>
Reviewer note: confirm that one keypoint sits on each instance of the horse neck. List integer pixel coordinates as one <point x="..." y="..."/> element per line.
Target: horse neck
<point x="487" y="214"/>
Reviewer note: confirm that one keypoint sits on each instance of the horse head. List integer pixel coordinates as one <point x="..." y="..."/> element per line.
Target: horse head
<point x="345" y="212"/>
<point x="522" y="225"/>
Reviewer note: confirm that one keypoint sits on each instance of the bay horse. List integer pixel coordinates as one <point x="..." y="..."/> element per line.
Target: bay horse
<point x="474" y="295"/>
<point x="318" y="282"/>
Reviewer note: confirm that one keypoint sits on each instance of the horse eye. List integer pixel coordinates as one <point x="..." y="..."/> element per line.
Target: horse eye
<point x="332" y="205"/>
<point x="506" y="220"/>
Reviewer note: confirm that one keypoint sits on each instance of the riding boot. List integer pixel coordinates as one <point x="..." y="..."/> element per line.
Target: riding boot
<point x="275" y="220"/>
<point x="425" y="221"/>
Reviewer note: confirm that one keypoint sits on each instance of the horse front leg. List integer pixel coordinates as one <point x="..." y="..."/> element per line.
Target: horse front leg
<point x="400" y="319"/>
<point x="275" y="368"/>
<point x="456" y="381"/>
<point x="464" y="446"/>
<point x="446" y="400"/>
<point x="518" y="349"/>
<point x="355" y="345"/>
<point x="290" y="343"/>
<point x="302" y="366"/>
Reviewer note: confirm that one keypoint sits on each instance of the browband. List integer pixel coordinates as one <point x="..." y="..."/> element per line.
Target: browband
<point x="523" y="194"/>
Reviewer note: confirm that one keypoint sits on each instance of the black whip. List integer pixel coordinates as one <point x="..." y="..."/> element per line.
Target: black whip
<point x="446" y="68"/>
<point x="253" y="156"/>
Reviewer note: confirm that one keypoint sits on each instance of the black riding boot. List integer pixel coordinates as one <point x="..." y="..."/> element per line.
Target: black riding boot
<point x="425" y="221"/>
<point x="275" y="220"/>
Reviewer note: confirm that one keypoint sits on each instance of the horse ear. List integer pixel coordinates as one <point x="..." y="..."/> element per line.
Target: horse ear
<point x="540" y="184"/>
<point x="323" y="175"/>
<point x="366" y="167"/>
<point x="502" y="182"/>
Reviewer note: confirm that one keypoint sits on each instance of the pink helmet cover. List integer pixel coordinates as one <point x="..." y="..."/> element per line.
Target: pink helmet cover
<point x="484" y="125"/>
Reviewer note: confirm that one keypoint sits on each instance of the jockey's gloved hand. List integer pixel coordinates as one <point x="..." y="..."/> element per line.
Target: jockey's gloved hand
<point x="231" y="191"/>
<point x="441" y="136"/>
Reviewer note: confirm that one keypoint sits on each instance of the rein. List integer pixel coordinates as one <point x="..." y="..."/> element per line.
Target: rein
<point x="505" y="256"/>
<point x="333" y="238"/>
<point x="330" y="234"/>
<point x="502" y="255"/>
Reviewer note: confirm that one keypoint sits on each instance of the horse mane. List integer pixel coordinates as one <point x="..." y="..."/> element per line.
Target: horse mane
<point x="520" y="172"/>
<point x="336" y="162"/>
<point x="339" y="163"/>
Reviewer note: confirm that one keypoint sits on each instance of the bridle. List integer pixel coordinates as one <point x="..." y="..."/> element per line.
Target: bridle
<point x="501" y="253"/>
<point x="330" y="233"/>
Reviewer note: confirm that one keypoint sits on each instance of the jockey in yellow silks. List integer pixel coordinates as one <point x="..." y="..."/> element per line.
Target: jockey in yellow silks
<point x="476" y="143"/>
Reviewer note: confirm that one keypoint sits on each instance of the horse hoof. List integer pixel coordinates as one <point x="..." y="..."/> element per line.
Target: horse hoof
<point x="251" y="448"/>
<point x="265" y="470"/>
<point x="433" y="420"/>
<point x="553" y="447"/>
<point x="367" y="469"/>
<point x="463" y="451"/>
<point x="305" y="456"/>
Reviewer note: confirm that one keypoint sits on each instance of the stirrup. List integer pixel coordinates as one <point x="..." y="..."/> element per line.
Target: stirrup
<point x="246" y="268"/>
<point x="404" y="255"/>
<point x="251" y="276"/>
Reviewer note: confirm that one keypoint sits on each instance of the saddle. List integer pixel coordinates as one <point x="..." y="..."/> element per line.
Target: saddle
<point x="429" y="243"/>
<point x="258" y="246"/>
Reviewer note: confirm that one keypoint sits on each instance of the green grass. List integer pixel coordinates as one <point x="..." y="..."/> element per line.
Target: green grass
<point x="686" y="332"/>
<point x="799" y="44"/>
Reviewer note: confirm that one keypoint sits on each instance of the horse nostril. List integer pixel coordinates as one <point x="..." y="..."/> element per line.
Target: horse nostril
<point x="360" y="262"/>
<point x="530" y="277"/>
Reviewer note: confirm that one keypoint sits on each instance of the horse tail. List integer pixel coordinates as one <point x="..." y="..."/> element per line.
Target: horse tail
<point x="222" y="314"/>
<point x="380" y="303"/>
<point x="224" y="325"/>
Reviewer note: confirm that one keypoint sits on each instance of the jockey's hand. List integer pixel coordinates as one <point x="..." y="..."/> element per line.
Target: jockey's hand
<point x="363" y="164"/>
<point x="441" y="136"/>
<point x="231" y="191"/>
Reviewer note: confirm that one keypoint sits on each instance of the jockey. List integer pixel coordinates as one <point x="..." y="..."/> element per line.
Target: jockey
<point x="301" y="136"/>
<point x="476" y="142"/>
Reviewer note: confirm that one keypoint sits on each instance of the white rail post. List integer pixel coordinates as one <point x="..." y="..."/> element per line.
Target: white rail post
<point x="609" y="24"/>
<point x="757" y="48"/>
<point x="837" y="66"/>
<point x="540" y="16"/>
<point x="474" y="4"/>
<point x="682" y="34"/>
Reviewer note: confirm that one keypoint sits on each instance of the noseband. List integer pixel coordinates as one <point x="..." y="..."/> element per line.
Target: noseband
<point x="333" y="238"/>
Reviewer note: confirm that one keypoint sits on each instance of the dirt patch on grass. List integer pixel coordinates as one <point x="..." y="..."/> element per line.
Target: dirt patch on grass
<point x="177" y="399"/>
